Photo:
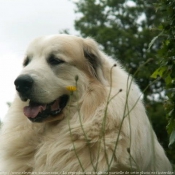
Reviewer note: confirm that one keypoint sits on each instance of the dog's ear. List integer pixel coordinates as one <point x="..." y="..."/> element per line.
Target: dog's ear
<point x="93" y="56"/>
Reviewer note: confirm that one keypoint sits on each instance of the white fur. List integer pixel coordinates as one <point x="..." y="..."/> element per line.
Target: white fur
<point x="94" y="135"/>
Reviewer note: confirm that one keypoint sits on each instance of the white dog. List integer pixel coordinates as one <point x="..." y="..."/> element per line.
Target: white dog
<point x="77" y="111"/>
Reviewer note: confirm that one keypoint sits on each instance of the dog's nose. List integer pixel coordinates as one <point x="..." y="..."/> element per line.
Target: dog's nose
<point x="24" y="84"/>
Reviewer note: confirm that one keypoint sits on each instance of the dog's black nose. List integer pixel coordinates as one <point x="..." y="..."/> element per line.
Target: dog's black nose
<point x="24" y="84"/>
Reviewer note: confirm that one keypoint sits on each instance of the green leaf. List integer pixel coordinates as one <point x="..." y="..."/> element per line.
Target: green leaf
<point x="159" y="72"/>
<point x="167" y="42"/>
<point x="172" y="138"/>
<point x="171" y="125"/>
<point x="168" y="80"/>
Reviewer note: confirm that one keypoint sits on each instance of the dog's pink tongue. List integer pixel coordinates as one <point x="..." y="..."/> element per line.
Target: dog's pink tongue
<point x="33" y="111"/>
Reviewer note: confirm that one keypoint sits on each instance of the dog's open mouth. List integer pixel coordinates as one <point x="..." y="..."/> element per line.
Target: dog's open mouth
<point x="37" y="112"/>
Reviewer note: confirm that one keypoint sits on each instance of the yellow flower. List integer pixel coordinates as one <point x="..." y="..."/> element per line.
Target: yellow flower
<point x="71" y="88"/>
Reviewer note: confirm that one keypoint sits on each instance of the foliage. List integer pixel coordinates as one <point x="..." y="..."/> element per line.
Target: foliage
<point x="124" y="28"/>
<point x="122" y="33"/>
<point x="167" y="64"/>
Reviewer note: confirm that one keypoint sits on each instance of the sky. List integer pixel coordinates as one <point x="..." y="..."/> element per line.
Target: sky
<point x="20" y="22"/>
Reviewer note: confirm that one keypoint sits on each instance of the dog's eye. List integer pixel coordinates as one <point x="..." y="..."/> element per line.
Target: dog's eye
<point x="26" y="61"/>
<point x="52" y="60"/>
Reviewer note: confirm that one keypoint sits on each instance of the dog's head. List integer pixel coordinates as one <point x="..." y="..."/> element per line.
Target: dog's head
<point x="52" y="66"/>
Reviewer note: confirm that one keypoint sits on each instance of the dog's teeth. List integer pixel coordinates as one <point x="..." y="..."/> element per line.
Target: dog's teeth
<point x="55" y="112"/>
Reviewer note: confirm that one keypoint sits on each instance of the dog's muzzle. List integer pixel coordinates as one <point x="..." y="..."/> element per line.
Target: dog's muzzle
<point x="38" y="111"/>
